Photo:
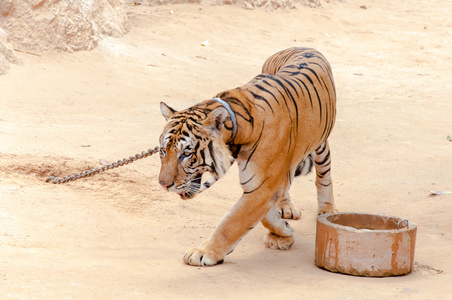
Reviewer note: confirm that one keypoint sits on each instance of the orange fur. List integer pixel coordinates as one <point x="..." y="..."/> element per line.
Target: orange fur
<point x="283" y="117"/>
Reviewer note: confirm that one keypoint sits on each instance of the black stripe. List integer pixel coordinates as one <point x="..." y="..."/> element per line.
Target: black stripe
<point x="322" y="174"/>
<point x="203" y="155"/>
<point x="265" y="90"/>
<point x="293" y="99"/>
<point x="323" y="147"/>
<point x="313" y="72"/>
<point x="235" y="149"/>
<point x="323" y="66"/>
<point x="257" y="187"/>
<point x="211" y="151"/>
<point x="307" y="90"/>
<point x="289" y="177"/>
<point x="254" y="148"/>
<point x="247" y="180"/>
<point x="316" y="92"/>
<point x="235" y="101"/>
<point x="258" y="97"/>
<point x="327" y="156"/>
<point x="273" y="78"/>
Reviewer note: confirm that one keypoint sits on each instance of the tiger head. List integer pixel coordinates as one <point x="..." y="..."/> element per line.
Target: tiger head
<point x="193" y="142"/>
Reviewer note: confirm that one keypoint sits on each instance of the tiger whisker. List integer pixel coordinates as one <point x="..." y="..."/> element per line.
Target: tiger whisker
<point x="194" y="188"/>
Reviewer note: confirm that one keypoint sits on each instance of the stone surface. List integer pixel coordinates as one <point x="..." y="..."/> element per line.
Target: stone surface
<point x="7" y="54"/>
<point x="40" y="25"/>
<point x="268" y="5"/>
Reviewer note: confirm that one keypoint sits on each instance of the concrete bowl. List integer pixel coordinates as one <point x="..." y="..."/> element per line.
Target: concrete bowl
<point x="365" y="244"/>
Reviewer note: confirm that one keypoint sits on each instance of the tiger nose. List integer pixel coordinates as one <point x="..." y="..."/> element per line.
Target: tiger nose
<point x="165" y="184"/>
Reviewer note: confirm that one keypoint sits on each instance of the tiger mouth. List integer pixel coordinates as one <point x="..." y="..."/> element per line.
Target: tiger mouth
<point x="192" y="189"/>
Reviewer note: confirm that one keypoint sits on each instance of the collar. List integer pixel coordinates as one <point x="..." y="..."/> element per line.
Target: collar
<point x="231" y="114"/>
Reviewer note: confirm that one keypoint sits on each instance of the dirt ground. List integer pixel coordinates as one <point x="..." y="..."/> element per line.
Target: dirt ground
<point x="120" y="236"/>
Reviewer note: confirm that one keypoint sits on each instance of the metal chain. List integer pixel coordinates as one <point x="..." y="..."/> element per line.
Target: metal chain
<point x="91" y="172"/>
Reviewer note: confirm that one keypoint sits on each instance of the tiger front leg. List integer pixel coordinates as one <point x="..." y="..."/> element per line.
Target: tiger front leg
<point x="244" y="215"/>
<point x="203" y="257"/>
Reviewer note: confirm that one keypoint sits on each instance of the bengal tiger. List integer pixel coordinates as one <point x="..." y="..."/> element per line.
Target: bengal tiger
<point x="275" y="127"/>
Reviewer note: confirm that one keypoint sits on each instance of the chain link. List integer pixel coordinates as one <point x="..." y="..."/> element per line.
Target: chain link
<point x="91" y="172"/>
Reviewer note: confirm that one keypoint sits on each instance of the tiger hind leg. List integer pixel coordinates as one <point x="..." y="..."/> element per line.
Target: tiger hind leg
<point x="285" y="206"/>
<point x="280" y="236"/>
<point x="305" y="166"/>
<point x="323" y="182"/>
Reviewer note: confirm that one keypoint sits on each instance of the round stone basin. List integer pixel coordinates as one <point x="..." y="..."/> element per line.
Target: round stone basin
<point x="365" y="244"/>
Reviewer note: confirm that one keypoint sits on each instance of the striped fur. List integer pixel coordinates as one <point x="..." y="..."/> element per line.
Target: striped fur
<point x="283" y="117"/>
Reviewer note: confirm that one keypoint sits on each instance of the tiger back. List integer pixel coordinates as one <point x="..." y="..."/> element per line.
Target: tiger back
<point x="269" y="126"/>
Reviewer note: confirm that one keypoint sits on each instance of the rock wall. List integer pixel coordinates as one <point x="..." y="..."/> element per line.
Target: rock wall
<point x="268" y="5"/>
<point x="70" y="25"/>
<point x="7" y="53"/>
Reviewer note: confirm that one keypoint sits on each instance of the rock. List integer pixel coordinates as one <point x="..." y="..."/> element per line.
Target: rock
<point x="110" y="17"/>
<point x="268" y="5"/>
<point x="39" y="25"/>
<point x="7" y="54"/>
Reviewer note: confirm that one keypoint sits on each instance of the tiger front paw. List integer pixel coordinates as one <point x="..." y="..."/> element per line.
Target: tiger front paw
<point x="276" y="242"/>
<point x="200" y="257"/>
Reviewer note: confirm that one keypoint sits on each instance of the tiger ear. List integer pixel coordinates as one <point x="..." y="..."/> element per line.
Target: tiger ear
<point x="216" y="118"/>
<point x="167" y="111"/>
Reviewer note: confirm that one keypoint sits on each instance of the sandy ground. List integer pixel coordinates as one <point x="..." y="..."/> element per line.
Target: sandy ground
<point x="119" y="236"/>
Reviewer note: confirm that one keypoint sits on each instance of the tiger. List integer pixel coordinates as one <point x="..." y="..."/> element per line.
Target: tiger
<point x="275" y="127"/>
